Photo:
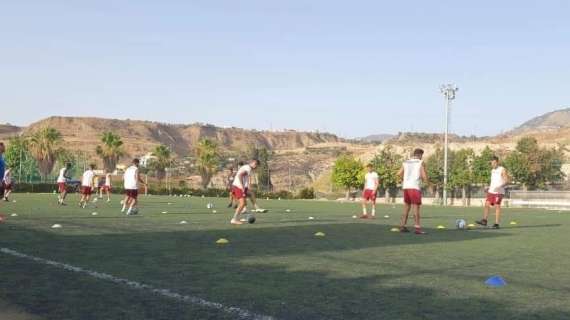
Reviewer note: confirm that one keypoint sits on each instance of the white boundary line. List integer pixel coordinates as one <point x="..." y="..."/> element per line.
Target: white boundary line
<point x="240" y="313"/>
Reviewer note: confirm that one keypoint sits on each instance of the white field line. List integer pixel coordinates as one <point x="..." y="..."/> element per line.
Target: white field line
<point x="238" y="312"/>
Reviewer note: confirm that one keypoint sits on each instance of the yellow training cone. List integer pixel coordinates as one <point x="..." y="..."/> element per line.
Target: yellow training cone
<point x="440" y="227"/>
<point x="471" y="226"/>
<point x="222" y="241"/>
<point x="319" y="234"/>
<point x="395" y="230"/>
<point x="513" y="223"/>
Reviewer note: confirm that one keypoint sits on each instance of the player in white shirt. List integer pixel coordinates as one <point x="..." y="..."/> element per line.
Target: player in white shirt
<point x="371" y="183"/>
<point x="7" y="183"/>
<point x="414" y="175"/>
<point x="131" y="180"/>
<point x="499" y="180"/>
<point x="240" y="189"/>
<point x="106" y="187"/>
<point x="62" y="179"/>
<point x="87" y="183"/>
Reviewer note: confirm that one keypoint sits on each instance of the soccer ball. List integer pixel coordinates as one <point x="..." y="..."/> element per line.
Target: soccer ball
<point x="251" y="219"/>
<point x="135" y="211"/>
<point x="461" y="224"/>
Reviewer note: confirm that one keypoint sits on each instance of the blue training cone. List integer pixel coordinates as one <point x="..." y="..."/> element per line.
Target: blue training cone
<point x="496" y="282"/>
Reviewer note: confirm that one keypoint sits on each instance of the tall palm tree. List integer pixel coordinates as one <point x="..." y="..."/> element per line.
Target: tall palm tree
<point x="207" y="160"/>
<point x="44" y="146"/>
<point x="111" y="150"/>
<point x="163" y="160"/>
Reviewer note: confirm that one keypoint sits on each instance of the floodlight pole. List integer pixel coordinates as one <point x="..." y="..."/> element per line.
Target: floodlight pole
<point x="448" y="91"/>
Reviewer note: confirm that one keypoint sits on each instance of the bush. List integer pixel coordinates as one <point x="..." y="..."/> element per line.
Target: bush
<point x="306" y="193"/>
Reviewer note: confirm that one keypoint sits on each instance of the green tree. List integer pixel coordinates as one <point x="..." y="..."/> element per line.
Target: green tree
<point x="482" y="166"/>
<point x="348" y="173"/>
<point x="461" y="174"/>
<point x="44" y="145"/>
<point x="207" y="160"/>
<point x="434" y="169"/>
<point x="162" y="161"/>
<point x="387" y="164"/>
<point x="19" y="158"/>
<point x="111" y="150"/>
<point x="263" y="171"/>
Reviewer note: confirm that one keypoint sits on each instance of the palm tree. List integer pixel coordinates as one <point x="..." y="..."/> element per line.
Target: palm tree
<point x="207" y="160"/>
<point x="111" y="150"/>
<point x="162" y="160"/>
<point x="44" y="146"/>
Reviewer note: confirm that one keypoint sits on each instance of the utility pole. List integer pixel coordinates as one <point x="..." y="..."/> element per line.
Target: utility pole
<point x="449" y="91"/>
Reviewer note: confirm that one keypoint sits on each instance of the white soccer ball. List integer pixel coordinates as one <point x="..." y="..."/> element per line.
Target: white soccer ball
<point x="461" y="224"/>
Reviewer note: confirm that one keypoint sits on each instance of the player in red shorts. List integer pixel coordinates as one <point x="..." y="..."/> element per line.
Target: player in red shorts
<point x="106" y="187"/>
<point x="87" y="183"/>
<point x="239" y="189"/>
<point x="414" y="174"/>
<point x="495" y="193"/>
<point x="62" y="183"/>
<point x="371" y="182"/>
<point x="7" y="183"/>
<point x="132" y="179"/>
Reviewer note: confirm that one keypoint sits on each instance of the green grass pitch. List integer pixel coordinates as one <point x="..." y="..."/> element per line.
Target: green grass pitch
<point x="277" y="267"/>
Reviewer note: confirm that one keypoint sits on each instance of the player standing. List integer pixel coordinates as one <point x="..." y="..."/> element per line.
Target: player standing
<point x="62" y="183"/>
<point x="495" y="193"/>
<point x="230" y="181"/>
<point x="87" y="183"/>
<point x="2" y="165"/>
<point x="132" y="179"/>
<point x="7" y="184"/>
<point x="413" y="173"/>
<point x="239" y="188"/>
<point x="106" y="187"/>
<point x="370" y="190"/>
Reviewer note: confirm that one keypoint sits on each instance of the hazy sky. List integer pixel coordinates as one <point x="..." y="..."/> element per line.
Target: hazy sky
<point x="350" y="67"/>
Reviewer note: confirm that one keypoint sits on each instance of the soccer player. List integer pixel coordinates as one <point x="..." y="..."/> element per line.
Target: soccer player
<point x="87" y="183"/>
<point x="239" y="188"/>
<point x="106" y="187"/>
<point x="61" y="183"/>
<point x="413" y="174"/>
<point x="7" y="184"/>
<point x="495" y="193"/>
<point x="132" y="179"/>
<point x="370" y="190"/>
<point x="230" y="181"/>
<point x="2" y="165"/>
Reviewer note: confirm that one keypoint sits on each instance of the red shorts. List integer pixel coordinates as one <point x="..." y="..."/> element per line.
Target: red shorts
<point x="86" y="191"/>
<point x="7" y="187"/>
<point x="495" y="199"/>
<point x="239" y="193"/>
<point x="413" y="196"/>
<point x="132" y="193"/>
<point x="106" y="188"/>
<point x="369" y="195"/>
<point x="61" y="187"/>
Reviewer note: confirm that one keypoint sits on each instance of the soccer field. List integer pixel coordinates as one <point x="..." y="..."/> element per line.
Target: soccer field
<point x="277" y="268"/>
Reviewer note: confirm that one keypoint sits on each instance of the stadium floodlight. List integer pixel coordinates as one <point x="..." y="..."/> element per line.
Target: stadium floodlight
<point x="449" y="91"/>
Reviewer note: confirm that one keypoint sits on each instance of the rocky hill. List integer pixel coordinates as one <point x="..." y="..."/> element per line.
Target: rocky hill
<point x="554" y="120"/>
<point x="8" y="130"/>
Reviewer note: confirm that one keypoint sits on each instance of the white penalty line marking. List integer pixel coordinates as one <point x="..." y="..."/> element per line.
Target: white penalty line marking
<point x="240" y="313"/>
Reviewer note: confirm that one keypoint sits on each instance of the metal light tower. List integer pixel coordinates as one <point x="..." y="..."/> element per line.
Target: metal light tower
<point x="448" y="91"/>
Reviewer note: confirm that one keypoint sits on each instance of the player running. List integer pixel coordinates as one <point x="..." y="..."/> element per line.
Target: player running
<point x="132" y="179"/>
<point x="7" y="184"/>
<point x="413" y="173"/>
<point x="62" y="179"/>
<point x="87" y="183"/>
<point x="239" y="188"/>
<point x="495" y="193"/>
<point x="106" y="187"/>
<point x="370" y="190"/>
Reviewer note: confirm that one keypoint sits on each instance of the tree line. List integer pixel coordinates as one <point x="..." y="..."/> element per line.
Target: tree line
<point x="531" y="166"/>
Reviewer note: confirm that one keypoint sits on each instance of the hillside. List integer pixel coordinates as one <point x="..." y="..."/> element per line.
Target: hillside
<point x="554" y="120"/>
<point x="8" y="130"/>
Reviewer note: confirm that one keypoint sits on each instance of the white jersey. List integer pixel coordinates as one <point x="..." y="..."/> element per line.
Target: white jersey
<point x="7" y="177"/>
<point x="243" y="173"/>
<point x="413" y="174"/>
<point x="497" y="181"/>
<point x="131" y="178"/>
<point x="371" y="181"/>
<point x="61" y="178"/>
<point x="87" y="180"/>
<point x="108" y="180"/>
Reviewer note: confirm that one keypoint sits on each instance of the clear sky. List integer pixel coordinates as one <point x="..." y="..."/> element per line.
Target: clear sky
<point x="350" y="67"/>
